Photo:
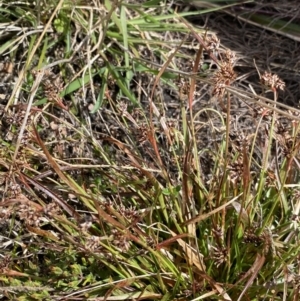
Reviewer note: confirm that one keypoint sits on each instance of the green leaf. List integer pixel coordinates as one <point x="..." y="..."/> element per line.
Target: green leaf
<point x="61" y="24"/>
<point x="57" y="271"/>
<point x="101" y="94"/>
<point x="121" y="84"/>
<point x="166" y="191"/>
<point x="76" y="269"/>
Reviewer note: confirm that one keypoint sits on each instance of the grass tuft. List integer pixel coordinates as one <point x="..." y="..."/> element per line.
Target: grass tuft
<point x="136" y="164"/>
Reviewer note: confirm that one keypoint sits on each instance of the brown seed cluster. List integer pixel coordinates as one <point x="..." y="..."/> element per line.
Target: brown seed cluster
<point x="250" y="237"/>
<point x="272" y="81"/>
<point x="220" y="255"/>
<point x="29" y="214"/>
<point x="212" y="43"/>
<point x="142" y="134"/>
<point x="225" y="75"/>
<point x="53" y="85"/>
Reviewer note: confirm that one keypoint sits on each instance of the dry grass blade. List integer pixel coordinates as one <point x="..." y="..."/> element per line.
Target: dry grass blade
<point x="193" y="257"/>
<point x="28" y="108"/>
<point x="21" y="199"/>
<point x="52" y="195"/>
<point x="202" y="217"/>
<point x="193" y="79"/>
<point x="263" y="101"/>
<point x="201" y="41"/>
<point x="44" y="233"/>
<point x="14" y="273"/>
<point x="157" y="78"/>
<point x="196" y="259"/>
<point x="257" y="265"/>
<point x="53" y="164"/>
<point x="112" y="221"/>
<point x="134" y="160"/>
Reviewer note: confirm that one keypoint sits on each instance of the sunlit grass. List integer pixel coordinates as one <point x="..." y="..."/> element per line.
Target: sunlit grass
<point x="109" y="196"/>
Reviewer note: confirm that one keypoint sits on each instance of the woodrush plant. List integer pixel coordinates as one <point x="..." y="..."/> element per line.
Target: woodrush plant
<point x="115" y="198"/>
